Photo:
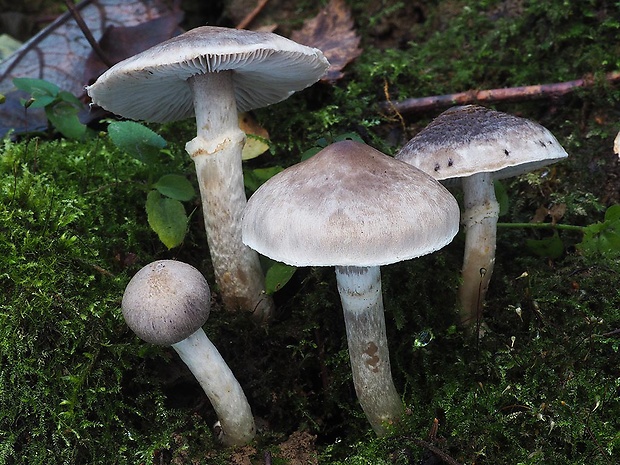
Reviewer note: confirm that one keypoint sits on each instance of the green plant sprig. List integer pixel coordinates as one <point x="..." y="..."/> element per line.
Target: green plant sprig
<point x="61" y="107"/>
<point x="599" y="239"/>
<point x="165" y="212"/>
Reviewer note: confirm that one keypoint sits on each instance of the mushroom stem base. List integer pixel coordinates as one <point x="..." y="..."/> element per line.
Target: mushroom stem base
<point x="362" y="304"/>
<point x="220" y="386"/>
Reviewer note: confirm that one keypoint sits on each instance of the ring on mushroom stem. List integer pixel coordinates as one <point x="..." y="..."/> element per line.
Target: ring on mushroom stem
<point x="352" y="207"/>
<point x="166" y="303"/>
<point x="213" y="72"/>
<point x="473" y="146"/>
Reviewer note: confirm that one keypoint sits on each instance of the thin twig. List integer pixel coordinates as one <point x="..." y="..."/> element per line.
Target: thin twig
<point x="508" y="94"/>
<point x="245" y="22"/>
<point x="615" y="332"/>
<point x="435" y="450"/>
<point x="87" y="34"/>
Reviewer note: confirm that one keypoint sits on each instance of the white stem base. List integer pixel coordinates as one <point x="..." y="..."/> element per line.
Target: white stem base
<point x="216" y="151"/>
<point x="480" y="222"/>
<point x="362" y="304"/>
<point x="220" y="386"/>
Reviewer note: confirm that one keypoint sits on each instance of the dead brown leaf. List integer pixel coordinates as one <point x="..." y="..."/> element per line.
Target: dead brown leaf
<point x="299" y="449"/>
<point x="121" y="42"/>
<point x="59" y="52"/>
<point x="332" y="31"/>
<point x="555" y="212"/>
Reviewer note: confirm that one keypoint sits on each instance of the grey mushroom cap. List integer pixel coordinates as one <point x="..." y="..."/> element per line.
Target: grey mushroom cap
<point x="349" y="205"/>
<point x="471" y="139"/>
<point x="166" y="301"/>
<point x="152" y="85"/>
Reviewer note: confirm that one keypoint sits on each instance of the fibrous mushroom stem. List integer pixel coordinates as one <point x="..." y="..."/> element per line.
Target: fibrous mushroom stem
<point x="216" y="151"/>
<point x="362" y="303"/>
<point x="480" y="222"/>
<point x="220" y="386"/>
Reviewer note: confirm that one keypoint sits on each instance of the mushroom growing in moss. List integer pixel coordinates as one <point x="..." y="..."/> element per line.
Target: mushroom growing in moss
<point x="166" y="303"/>
<point x="352" y="207"/>
<point x="213" y="72"/>
<point x="475" y="146"/>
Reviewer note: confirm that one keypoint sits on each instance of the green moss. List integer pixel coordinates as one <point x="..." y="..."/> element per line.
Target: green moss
<point x="541" y="386"/>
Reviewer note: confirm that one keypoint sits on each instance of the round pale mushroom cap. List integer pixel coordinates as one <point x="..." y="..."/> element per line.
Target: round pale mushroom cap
<point x="166" y="301"/>
<point x="349" y="205"/>
<point x="152" y="85"/>
<point x="471" y="139"/>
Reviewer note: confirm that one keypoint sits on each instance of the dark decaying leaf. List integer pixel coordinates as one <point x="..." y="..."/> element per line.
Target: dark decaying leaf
<point x="59" y="52"/>
<point x="332" y="31"/>
<point x="119" y="43"/>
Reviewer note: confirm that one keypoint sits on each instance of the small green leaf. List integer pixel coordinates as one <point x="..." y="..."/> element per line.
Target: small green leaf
<point x="277" y="275"/>
<point x="176" y="187"/>
<point x="349" y="136"/>
<point x="40" y="101"/>
<point x="502" y="197"/>
<point x="603" y="238"/>
<point x="137" y="140"/>
<point x="612" y="214"/>
<point x="167" y="218"/>
<point x="69" y="98"/>
<point x="36" y="86"/>
<point x="253" y="179"/>
<point x="550" y="247"/>
<point x="310" y="153"/>
<point x="64" y="117"/>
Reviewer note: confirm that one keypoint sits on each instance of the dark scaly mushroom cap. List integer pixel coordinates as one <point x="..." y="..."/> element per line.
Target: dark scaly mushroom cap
<point x="471" y="139"/>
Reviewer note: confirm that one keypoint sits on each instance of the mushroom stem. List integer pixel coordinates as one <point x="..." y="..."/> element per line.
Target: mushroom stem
<point x="216" y="151"/>
<point x="220" y="386"/>
<point x="480" y="221"/>
<point x="362" y="304"/>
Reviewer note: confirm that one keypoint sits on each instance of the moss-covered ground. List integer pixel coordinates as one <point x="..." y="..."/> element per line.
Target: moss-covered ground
<point x="541" y="386"/>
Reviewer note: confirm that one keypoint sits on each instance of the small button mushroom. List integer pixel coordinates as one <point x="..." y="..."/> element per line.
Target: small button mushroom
<point x="352" y="207"/>
<point x="475" y="146"/>
<point x="213" y="72"/>
<point x="166" y="303"/>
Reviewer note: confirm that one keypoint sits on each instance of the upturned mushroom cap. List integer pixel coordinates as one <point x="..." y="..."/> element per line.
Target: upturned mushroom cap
<point x="349" y="205"/>
<point x="471" y="139"/>
<point x="152" y="85"/>
<point x="166" y="301"/>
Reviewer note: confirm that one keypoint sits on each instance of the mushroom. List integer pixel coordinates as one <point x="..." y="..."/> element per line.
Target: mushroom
<point x="166" y="303"/>
<point x="475" y="145"/>
<point x="352" y="207"/>
<point x="214" y="72"/>
<point x="617" y="144"/>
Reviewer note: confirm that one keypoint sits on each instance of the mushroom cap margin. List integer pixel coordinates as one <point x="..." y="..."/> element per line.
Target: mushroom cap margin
<point x="152" y="85"/>
<point x="349" y="205"/>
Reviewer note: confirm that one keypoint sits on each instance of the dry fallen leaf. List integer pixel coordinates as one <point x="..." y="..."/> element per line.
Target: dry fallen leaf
<point x="59" y="52"/>
<point x="256" y="137"/>
<point x="118" y="43"/>
<point x="332" y="31"/>
<point x="556" y="213"/>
